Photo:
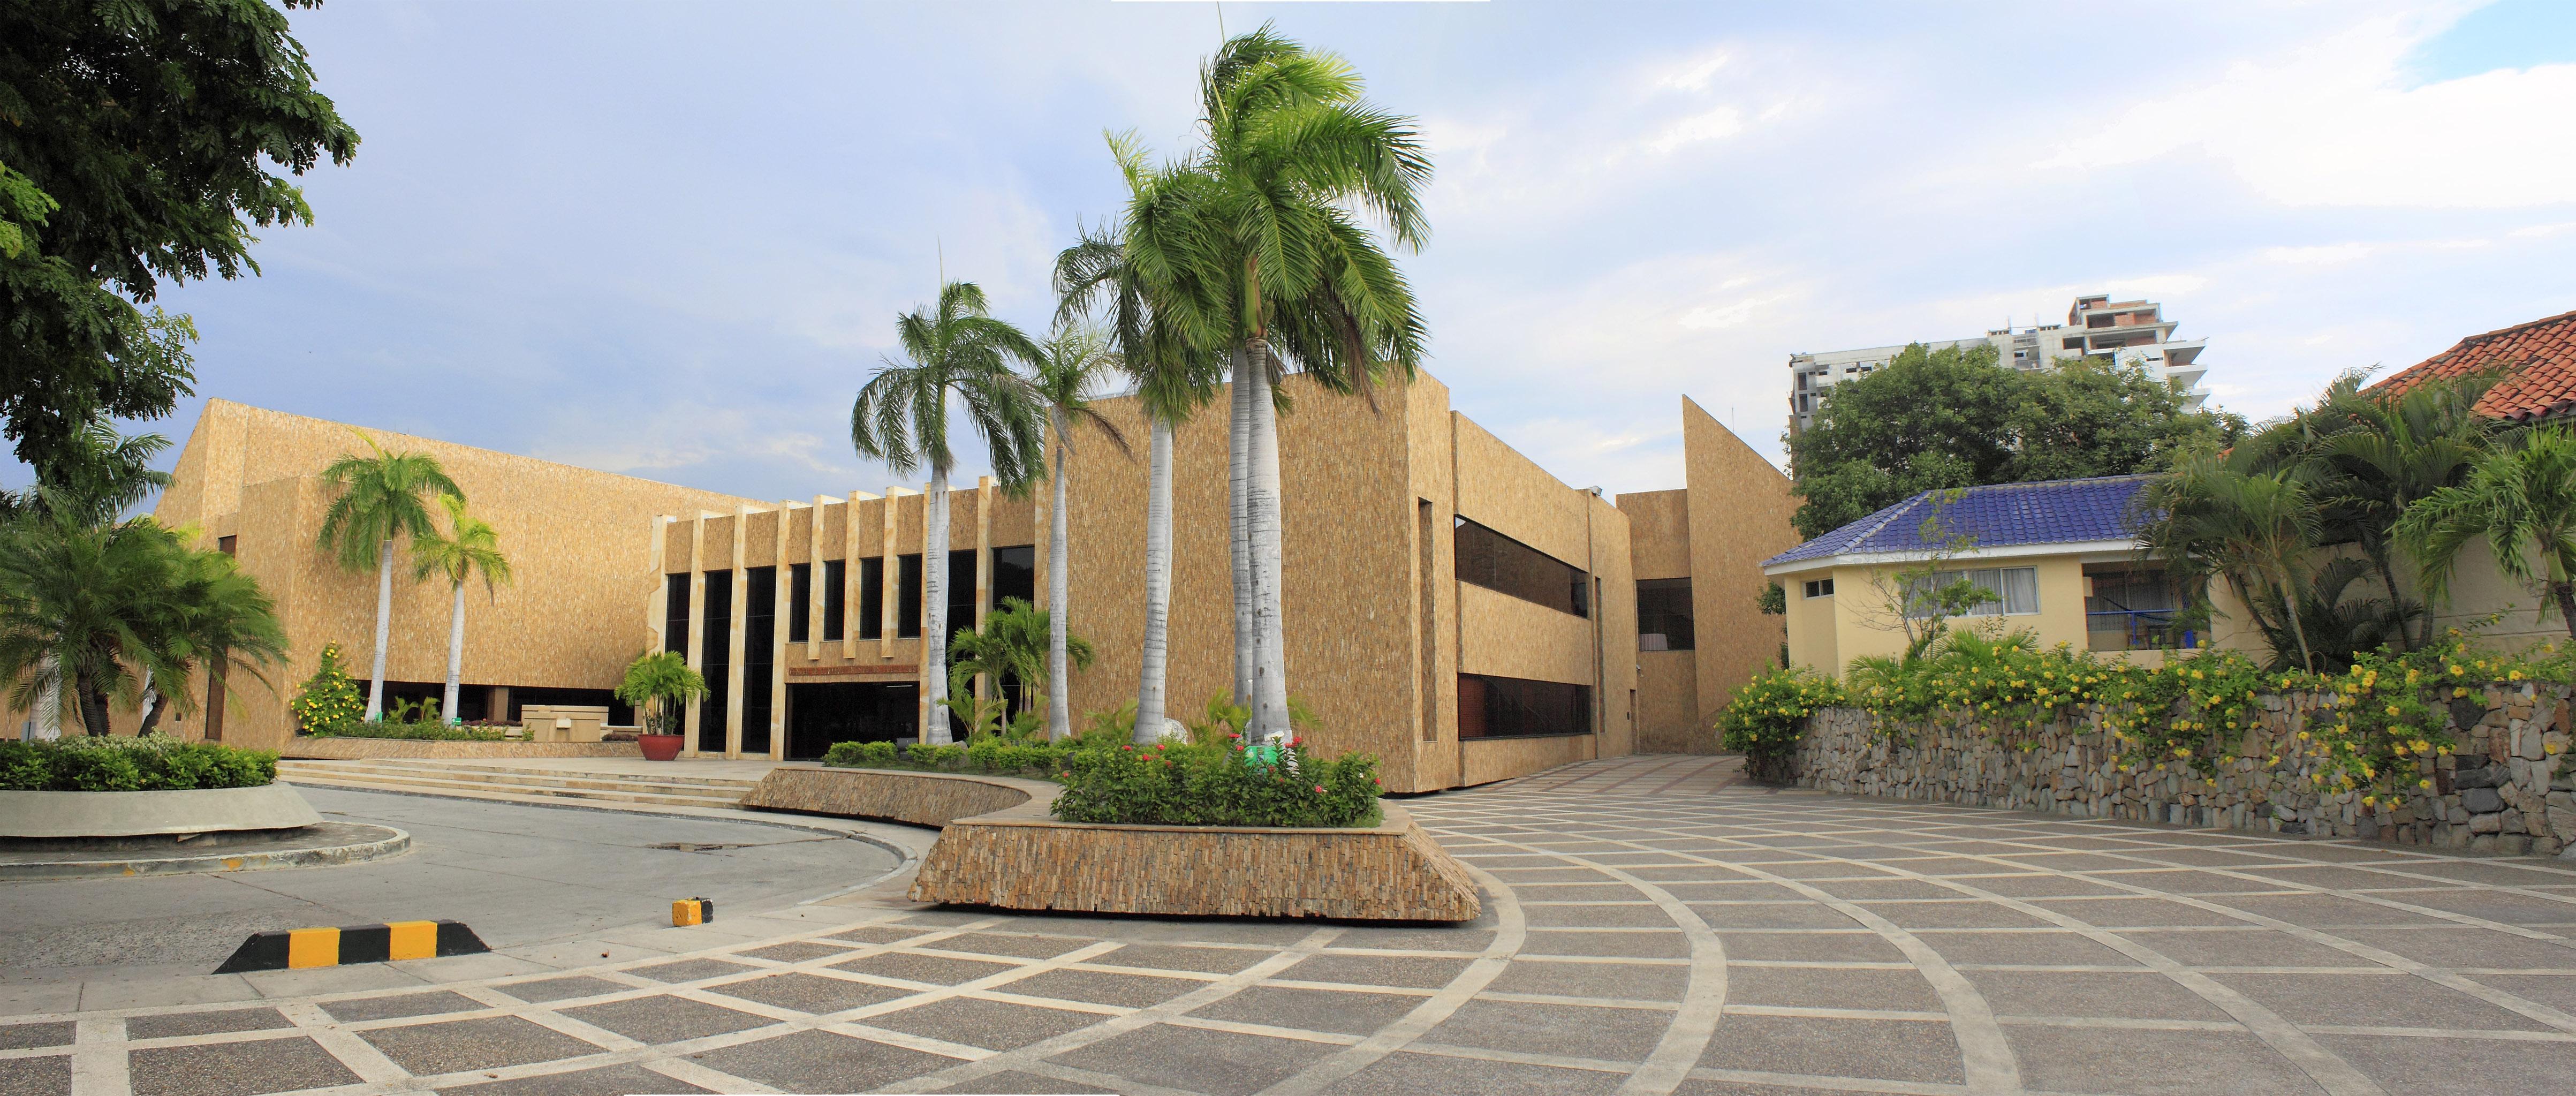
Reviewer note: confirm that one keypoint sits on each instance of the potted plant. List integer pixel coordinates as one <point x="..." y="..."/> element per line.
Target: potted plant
<point x="658" y="684"/>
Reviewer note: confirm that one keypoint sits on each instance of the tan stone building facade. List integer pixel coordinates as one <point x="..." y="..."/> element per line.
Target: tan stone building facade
<point x="1450" y="606"/>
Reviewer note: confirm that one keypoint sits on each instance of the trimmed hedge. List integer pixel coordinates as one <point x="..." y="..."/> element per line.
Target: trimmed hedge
<point x="1171" y="784"/>
<point x="431" y="732"/>
<point x="148" y="764"/>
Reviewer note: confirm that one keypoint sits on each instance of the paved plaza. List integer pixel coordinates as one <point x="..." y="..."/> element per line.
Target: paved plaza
<point x="1651" y="926"/>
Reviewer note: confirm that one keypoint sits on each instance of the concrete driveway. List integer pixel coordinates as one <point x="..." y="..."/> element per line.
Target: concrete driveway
<point x="1652" y="927"/>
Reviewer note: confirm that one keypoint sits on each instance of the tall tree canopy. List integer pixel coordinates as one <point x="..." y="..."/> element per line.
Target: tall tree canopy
<point x="1933" y="419"/>
<point x="136" y="141"/>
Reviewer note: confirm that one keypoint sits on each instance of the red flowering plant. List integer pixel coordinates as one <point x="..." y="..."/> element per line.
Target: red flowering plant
<point x="1180" y="784"/>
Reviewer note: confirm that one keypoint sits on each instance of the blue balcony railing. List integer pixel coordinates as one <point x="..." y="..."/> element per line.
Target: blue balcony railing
<point x="2137" y="630"/>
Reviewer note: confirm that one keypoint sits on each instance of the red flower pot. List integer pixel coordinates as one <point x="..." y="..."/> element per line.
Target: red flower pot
<point x="659" y="747"/>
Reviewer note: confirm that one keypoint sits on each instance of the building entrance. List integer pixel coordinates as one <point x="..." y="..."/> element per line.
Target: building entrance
<point x="821" y="714"/>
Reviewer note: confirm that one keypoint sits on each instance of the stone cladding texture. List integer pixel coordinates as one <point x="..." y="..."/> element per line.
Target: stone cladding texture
<point x="2503" y="789"/>
<point x="922" y="799"/>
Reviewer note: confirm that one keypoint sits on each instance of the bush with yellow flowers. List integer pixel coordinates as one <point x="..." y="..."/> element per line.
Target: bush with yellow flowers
<point x="330" y="699"/>
<point x="1768" y="715"/>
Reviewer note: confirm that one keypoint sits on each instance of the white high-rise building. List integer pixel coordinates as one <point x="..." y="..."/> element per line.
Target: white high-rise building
<point x="2131" y="332"/>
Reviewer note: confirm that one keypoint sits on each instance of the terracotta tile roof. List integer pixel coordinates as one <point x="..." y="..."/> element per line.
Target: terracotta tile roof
<point x="2539" y="359"/>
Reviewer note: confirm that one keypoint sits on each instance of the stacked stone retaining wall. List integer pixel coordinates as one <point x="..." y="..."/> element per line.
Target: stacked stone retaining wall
<point x="2502" y="790"/>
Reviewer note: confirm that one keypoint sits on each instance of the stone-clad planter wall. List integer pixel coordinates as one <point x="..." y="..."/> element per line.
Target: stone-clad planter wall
<point x="998" y="846"/>
<point x="2503" y="790"/>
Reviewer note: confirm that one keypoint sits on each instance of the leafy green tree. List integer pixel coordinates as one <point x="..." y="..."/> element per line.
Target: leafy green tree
<point x="96" y="608"/>
<point x="2381" y="454"/>
<point x="379" y="503"/>
<point x="1261" y="238"/>
<point x="659" y="684"/>
<point x="1936" y="419"/>
<point x="330" y="698"/>
<point x="138" y="143"/>
<point x="1097" y="276"/>
<point x="958" y="352"/>
<point x="469" y="548"/>
<point x="2521" y="499"/>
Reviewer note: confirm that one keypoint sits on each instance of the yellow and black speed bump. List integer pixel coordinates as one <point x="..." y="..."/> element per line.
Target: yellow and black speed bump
<point x="297" y="948"/>
<point x="692" y="911"/>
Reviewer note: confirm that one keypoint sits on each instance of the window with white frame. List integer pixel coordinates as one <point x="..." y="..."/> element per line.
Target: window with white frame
<point x="2015" y="590"/>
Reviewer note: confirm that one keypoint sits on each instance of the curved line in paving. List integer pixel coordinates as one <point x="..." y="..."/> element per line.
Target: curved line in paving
<point x="2503" y="999"/>
<point x="1511" y="930"/>
<point x="2324" y="1067"/>
<point x="1703" y="998"/>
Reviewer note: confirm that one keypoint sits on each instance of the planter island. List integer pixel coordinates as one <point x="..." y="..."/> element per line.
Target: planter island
<point x="239" y="825"/>
<point x="999" y="846"/>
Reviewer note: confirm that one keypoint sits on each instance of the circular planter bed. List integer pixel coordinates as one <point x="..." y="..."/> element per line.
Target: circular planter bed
<point x="134" y="814"/>
<point x="998" y="846"/>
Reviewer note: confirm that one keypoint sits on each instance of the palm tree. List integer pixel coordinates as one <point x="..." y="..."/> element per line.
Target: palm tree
<point x="1258" y="238"/>
<point x="658" y="684"/>
<point x="100" y="607"/>
<point x="91" y="481"/>
<point x="2254" y="528"/>
<point x="380" y="502"/>
<point x="1077" y="358"/>
<point x="2386" y="452"/>
<point x="2522" y="499"/>
<point x="471" y="548"/>
<point x="1019" y="643"/>
<point x="956" y="349"/>
<point x="1102" y="272"/>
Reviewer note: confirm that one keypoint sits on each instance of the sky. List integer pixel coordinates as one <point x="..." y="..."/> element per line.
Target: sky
<point x="670" y="240"/>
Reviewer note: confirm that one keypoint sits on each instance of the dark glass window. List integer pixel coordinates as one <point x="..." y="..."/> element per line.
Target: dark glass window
<point x="620" y="714"/>
<point x="907" y="602"/>
<point x="1506" y="707"/>
<point x="800" y="602"/>
<point x="961" y="592"/>
<point x="872" y="598"/>
<point x="1820" y="587"/>
<point x="1499" y="563"/>
<point x="759" y="660"/>
<point x="1664" y="614"/>
<point x="1015" y="574"/>
<point x="715" y="659"/>
<point x="675" y="618"/>
<point x="834" y="607"/>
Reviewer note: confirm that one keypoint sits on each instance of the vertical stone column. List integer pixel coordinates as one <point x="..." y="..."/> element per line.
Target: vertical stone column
<point x="889" y="581"/>
<point x="697" y="626"/>
<point x="814" y="585"/>
<point x="737" y="626"/>
<point x="849" y="580"/>
<point x="983" y="570"/>
<point x="657" y="609"/>
<point x="781" y="589"/>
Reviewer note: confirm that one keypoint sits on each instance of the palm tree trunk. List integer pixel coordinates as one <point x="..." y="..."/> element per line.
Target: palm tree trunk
<point x="455" y="655"/>
<point x="93" y="706"/>
<point x="934" y="607"/>
<point x="1150" y="701"/>
<point x="1239" y="533"/>
<point x="1261" y="521"/>
<point x="2290" y="602"/>
<point x="47" y="719"/>
<point x="384" y="629"/>
<point x="2397" y="601"/>
<point x="1059" y="683"/>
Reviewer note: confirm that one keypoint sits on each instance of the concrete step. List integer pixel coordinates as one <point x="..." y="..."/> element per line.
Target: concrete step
<point x="573" y="787"/>
<point x="532" y="777"/>
<point x="497" y="795"/>
<point x="676" y="772"/>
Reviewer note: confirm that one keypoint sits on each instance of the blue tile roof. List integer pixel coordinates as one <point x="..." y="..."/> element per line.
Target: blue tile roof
<point x="1998" y="516"/>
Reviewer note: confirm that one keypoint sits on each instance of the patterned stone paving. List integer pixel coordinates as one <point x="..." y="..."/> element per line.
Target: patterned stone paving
<point x="1652" y="927"/>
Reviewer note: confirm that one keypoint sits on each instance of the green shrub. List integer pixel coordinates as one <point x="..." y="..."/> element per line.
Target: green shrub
<point x="1768" y="715"/>
<point x="430" y="731"/>
<point x="149" y="763"/>
<point x="948" y="756"/>
<point x="1174" y="784"/>
<point x="328" y="699"/>
<point x="877" y="754"/>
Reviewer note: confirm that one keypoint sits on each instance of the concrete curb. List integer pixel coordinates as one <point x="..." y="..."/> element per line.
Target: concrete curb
<point x="394" y="843"/>
<point x="272" y="806"/>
